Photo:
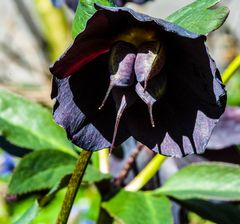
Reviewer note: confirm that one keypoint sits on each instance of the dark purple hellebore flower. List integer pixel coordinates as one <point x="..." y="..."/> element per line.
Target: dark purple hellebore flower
<point x="162" y="86"/>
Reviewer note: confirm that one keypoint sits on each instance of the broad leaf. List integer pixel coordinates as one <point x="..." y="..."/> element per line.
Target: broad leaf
<point x="200" y="16"/>
<point x="41" y="170"/>
<point x="204" y="181"/>
<point x="20" y="207"/>
<point x="20" y="210"/>
<point x="30" y="125"/>
<point x="214" y="211"/>
<point x="29" y="215"/>
<point x="45" y="169"/>
<point x="84" y="12"/>
<point x="138" y="208"/>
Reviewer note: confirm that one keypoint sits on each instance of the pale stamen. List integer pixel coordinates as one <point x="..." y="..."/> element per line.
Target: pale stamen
<point x="121" y="109"/>
<point x="148" y="99"/>
<point x="111" y="85"/>
<point x="150" y="108"/>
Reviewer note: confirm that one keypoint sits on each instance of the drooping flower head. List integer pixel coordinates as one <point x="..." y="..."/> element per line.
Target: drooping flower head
<point x="128" y="74"/>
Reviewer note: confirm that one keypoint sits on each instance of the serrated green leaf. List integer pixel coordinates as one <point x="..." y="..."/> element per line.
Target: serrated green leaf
<point x="138" y="208"/>
<point x="41" y="170"/>
<point x="45" y="169"/>
<point x="200" y="16"/>
<point x="29" y="125"/>
<point x="220" y="181"/>
<point x="84" y="12"/>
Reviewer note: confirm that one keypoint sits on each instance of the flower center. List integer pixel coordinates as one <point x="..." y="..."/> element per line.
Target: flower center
<point x="140" y="65"/>
<point x="138" y="35"/>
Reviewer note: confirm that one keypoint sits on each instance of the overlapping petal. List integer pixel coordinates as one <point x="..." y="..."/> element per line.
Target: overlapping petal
<point x="184" y="116"/>
<point x="76" y="108"/>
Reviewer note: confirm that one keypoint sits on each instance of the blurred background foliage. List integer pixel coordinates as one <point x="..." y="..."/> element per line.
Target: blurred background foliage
<point x="33" y="34"/>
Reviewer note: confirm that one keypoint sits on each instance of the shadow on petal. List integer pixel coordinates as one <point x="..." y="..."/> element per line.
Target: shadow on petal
<point x="77" y="100"/>
<point x="194" y="100"/>
<point x="88" y="87"/>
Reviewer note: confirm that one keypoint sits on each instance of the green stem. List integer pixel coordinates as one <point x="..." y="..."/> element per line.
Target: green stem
<point x="231" y="69"/>
<point x="73" y="185"/>
<point x="146" y="174"/>
<point x="104" y="161"/>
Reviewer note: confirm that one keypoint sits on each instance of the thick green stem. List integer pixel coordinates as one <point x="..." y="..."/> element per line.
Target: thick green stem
<point x="231" y="69"/>
<point x="73" y="185"/>
<point x="146" y="174"/>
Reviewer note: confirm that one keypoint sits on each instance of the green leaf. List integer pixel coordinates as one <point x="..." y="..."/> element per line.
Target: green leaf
<point x="26" y="210"/>
<point x="29" y="125"/>
<point x="41" y="170"/>
<point x="200" y="16"/>
<point x="19" y="207"/>
<point x="218" y="181"/>
<point x="49" y="213"/>
<point x="84" y="12"/>
<point x="223" y="213"/>
<point x="88" y="198"/>
<point x="29" y="215"/>
<point x="139" y="208"/>
<point x="45" y="169"/>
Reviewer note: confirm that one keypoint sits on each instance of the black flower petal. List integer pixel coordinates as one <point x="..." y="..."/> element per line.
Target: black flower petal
<point x="101" y="31"/>
<point x="184" y="116"/>
<point x="76" y="108"/>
